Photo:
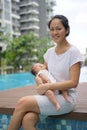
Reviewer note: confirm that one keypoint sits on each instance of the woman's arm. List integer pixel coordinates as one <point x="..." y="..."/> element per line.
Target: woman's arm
<point x="73" y="79"/>
<point x="71" y="83"/>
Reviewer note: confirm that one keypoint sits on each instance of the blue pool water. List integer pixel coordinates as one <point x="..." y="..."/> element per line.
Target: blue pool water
<point x="83" y="76"/>
<point x="16" y="80"/>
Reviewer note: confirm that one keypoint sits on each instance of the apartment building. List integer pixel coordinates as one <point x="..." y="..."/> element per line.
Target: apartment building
<point x="5" y="15"/>
<point x="15" y="18"/>
<point x="9" y="17"/>
<point x="45" y="14"/>
<point x="34" y="16"/>
<point x="18" y="17"/>
<point x="29" y="16"/>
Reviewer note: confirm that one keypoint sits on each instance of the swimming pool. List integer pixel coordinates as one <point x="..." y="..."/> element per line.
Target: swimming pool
<point x="16" y="80"/>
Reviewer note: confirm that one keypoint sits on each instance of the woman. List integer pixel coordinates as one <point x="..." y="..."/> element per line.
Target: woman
<point x="64" y="62"/>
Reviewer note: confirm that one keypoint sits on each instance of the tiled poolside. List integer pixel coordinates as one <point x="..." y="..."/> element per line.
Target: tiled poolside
<point x="76" y="120"/>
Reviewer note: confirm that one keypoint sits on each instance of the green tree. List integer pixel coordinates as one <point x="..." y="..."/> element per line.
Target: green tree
<point x="25" y="50"/>
<point x="19" y="50"/>
<point x="42" y="45"/>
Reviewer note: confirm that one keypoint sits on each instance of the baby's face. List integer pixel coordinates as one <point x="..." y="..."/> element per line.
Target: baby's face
<point x="38" y="67"/>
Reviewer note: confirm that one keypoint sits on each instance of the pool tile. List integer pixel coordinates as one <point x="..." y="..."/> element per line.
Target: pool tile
<point x="48" y="124"/>
<point x="85" y="128"/>
<point x="68" y="127"/>
<point x="58" y="127"/>
<point x="63" y="127"/>
<point x="63" y="122"/>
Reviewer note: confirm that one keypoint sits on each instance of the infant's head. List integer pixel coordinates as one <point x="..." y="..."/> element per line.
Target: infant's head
<point x="37" y="67"/>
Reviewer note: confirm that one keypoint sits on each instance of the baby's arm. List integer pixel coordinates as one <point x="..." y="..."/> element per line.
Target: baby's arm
<point x="41" y="78"/>
<point x="66" y="95"/>
<point x="38" y="80"/>
<point x="44" y="78"/>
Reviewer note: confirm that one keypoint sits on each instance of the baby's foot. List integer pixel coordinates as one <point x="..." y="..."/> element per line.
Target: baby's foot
<point x="68" y="99"/>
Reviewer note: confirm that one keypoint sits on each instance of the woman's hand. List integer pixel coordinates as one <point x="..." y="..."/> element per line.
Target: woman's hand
<point x="42" y="88"/>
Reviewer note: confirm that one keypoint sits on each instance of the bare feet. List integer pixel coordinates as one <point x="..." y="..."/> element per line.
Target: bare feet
<point x="57" y="106"/>
<point x="68" y="99"/>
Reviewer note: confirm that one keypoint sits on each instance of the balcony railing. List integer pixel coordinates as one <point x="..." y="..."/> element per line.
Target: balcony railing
<point x="27" y="3"/>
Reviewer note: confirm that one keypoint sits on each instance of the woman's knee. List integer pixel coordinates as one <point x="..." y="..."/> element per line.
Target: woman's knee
<point x="30" y="118"/>
<point x="26" y="104"/>
<point x="22" y="102"/>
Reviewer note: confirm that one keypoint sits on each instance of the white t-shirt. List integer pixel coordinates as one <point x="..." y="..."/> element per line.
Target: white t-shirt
<point x="59" y="65"/>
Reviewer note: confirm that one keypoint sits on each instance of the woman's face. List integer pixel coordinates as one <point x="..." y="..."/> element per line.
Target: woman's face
<point x="57" y="31"/>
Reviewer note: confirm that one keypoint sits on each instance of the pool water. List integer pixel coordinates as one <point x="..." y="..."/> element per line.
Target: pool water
<point x="83" y="76"/>
<point x="15" y="80"/>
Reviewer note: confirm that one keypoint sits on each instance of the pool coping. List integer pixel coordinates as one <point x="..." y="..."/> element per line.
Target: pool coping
<point x="9" y="98"/>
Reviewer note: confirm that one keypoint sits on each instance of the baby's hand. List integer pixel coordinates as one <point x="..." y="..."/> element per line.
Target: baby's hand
<point x="38" y="80"/>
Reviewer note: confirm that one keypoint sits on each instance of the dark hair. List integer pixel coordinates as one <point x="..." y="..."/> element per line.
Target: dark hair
<point x="64" y="21"/>
<point x="32" y="71"/>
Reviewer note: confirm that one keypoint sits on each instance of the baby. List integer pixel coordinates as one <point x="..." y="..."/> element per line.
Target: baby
<point x="44" y="76"/>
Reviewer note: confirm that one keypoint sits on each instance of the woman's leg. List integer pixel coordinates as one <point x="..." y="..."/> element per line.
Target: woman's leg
<point x="24" y="105"/>
<point x="29" y="121"/>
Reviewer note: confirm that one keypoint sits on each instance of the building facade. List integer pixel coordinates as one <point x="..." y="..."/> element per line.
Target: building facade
<point x="34" y="16"/>
<point x="19" y="17"/>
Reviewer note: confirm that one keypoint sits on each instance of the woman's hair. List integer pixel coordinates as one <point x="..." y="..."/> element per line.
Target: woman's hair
<point x="64" y="21"/>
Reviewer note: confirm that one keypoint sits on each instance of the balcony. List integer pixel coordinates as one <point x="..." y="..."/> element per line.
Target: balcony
<point x="29" y="19"/>
<point x="29" y="11"/>
<point x="16" y="1"/>
<point x="30" y="27"/>
<point x="15" y="7"/>
<point x="28" y="3"/>
<point x="15" y="15"/>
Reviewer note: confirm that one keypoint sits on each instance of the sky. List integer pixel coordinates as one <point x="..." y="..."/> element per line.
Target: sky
<point x="76" y="12"/>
